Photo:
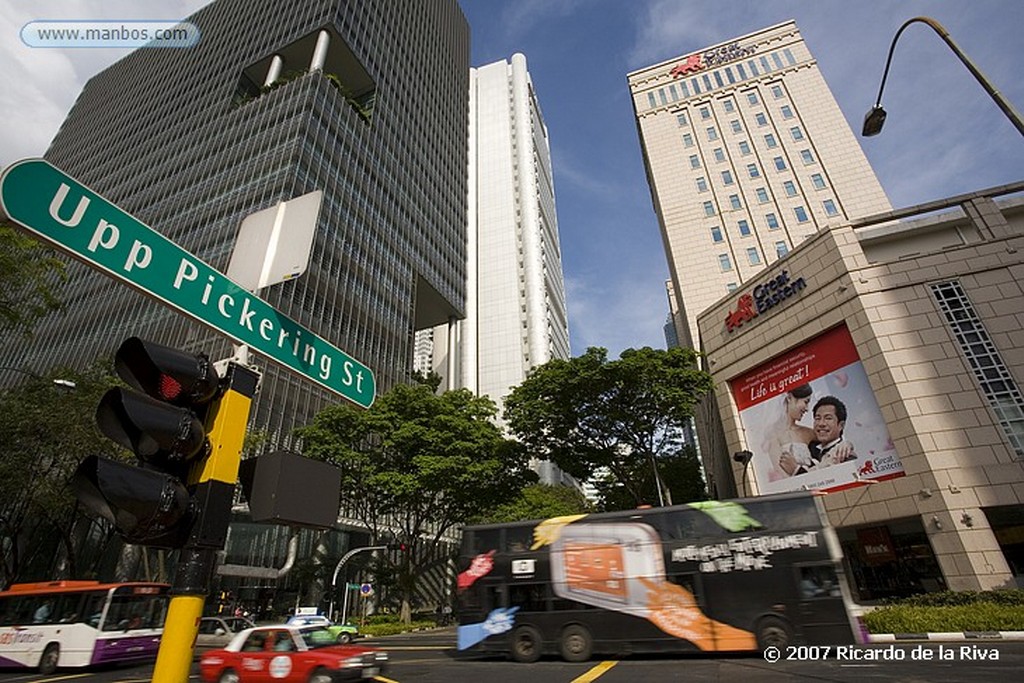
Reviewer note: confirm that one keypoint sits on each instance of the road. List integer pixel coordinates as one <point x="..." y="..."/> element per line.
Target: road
<point x="429" y="657"/>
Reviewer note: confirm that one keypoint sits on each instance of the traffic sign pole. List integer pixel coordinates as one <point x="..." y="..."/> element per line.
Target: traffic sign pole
<point x="214" y="479"/>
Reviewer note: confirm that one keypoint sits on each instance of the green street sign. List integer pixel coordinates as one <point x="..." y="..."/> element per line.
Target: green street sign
<point x="57" y="208"/>
<point x="354" y="586"/>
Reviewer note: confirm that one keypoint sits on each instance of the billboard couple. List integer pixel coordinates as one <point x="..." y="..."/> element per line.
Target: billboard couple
<point x="795" y="449"/>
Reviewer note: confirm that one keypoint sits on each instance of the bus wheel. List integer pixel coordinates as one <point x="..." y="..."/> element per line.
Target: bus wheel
<point x="773" y="632"/>
<point x="48" y="662"/>
<point x="526" y="644"/>
<point x="576" y="644"/>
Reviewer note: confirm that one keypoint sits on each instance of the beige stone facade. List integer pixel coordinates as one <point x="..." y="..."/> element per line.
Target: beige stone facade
<point x="933" y="299"/>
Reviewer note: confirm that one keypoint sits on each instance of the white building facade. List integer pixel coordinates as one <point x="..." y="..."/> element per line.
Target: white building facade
<point x="747" y="155"/>
<point x="516" y="316"/>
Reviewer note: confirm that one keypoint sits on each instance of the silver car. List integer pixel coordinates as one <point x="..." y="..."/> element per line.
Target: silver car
<point x="218" y="631"/>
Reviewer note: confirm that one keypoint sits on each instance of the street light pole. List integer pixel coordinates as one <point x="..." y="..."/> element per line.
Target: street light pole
<point x="875" y="118"/>
<point x="334" y="580"/>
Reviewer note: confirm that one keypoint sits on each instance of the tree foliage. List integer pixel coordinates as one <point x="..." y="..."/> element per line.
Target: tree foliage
<point x="680" y="473"/>
<point x="30" y="275"/>
<point x="539" y="501"/>
<point x="47" y="429"/>
<point x="591" y="415"/>
<point x="414" y="465"/>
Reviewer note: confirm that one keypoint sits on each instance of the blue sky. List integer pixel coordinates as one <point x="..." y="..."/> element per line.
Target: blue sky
<point x="944" y="135"/>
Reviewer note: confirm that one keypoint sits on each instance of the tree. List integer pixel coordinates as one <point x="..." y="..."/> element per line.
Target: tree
<point x="414" y="465"/>
<point x="590" y="415"/>
<point x="47" y="429"/>
<point x="30" y="273"/>
<point x="539" y="501"/>
<point x="680" y="473"/>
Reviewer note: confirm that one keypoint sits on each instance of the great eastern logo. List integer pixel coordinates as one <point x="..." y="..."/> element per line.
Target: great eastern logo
<point x="702" y="60"/>
<point x="764" y="297"/>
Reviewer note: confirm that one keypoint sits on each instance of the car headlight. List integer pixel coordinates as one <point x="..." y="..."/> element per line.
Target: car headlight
<point x="352" y="663"/>
<point x="381" y="656"/>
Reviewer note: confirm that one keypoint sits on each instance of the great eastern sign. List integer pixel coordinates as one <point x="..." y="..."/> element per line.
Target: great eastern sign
<point x="62" y="211"/>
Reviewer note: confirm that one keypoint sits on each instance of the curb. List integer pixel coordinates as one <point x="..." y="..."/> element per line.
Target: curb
<point x="946" y="637"/>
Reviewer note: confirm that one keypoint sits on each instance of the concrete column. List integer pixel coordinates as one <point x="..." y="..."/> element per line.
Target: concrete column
<point x="320" y="51"/>
<point x="274" y="72"/>
<point x="967" y="550"/>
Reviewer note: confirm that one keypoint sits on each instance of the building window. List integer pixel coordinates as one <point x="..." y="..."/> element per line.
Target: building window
<point x="770" y="141"/>
<point x="780" y="163"/>
<point x="761" y="119"/>
<point x="790" y="188"/>
<point x="744" y="228"/>
<point x="687" y="140"/>
<point x="731" y="287"/>
<point x="702" y="184"/>
<point x="712" y="134"/>
<point x="736" y="127"/>
<point x="801" y="214"/>
<point x="651" y="101"/>
<point x="694" y="161"/>
<point x="762" y="195"/>
<point x="681" y="119"/>
<point x="673" y="93"/>
<point x="734" y="201"/>
<point x="1000" y="389"/>
<point x="744" y="147"/>
<point x="796" y="133"/>
<point x="729" y="106"/>
<point x="719" y="154"/>
<point x="772" y="221"/>
<point x="753" y="171"/>
<point x="727" y="177"/>
<point x="724" y="262"/>
<point x="705" y="113"/>
<point x="819" y="182"/>
<point x="753" y="257"/>
<point x="709" y="209"/>
<point x="777" y="92"/>
<point x="781" y="249"/>
<point x="716" y="234"/>
<point x="661" y="96"/>
<point x="787" y="113"/>
<point x="830" y="208"/>
<point x="807" y="157"/>
<point x="752" y="98"/>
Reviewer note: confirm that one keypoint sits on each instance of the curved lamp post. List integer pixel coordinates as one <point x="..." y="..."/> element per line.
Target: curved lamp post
<point x="875" y="118"/>
<point x="62" y="383"/>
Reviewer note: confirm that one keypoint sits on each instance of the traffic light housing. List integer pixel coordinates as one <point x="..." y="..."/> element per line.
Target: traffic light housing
<point x="159" y="503"/>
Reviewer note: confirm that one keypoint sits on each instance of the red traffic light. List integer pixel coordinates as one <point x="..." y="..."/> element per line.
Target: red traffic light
<point x="165" y="373"/>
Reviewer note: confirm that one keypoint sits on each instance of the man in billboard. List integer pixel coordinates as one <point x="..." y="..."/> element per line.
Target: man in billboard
<point x="828" y="447"/>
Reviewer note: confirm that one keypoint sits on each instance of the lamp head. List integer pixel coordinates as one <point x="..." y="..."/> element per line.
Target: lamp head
<point x="742" y="456"/>
<point x="873" y="121"/>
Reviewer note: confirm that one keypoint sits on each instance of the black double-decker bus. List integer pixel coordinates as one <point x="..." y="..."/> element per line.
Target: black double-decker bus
<point x="708" y="576"/>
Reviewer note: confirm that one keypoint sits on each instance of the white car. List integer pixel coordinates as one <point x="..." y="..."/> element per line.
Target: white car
<point x="218" y="631"/>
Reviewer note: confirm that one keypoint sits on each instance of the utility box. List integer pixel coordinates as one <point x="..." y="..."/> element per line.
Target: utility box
<point x="287" y="488"/>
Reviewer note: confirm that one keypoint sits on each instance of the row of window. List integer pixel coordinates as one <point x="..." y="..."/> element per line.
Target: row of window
<point x="806" y="155"/>
<point x="720" y="78"/>
<point x="753" y="256"/>
<point x="735" y="204"/>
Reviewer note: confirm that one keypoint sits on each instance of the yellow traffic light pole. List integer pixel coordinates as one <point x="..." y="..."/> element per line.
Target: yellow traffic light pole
<point x="214" y="479"/>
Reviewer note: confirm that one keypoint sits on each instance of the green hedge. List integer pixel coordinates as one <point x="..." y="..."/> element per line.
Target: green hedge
<point x="390" y="624"/>
<point x="950" y="611"/>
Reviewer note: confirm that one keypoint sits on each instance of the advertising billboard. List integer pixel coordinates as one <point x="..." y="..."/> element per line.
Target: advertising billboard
<point x="812" y="421"/>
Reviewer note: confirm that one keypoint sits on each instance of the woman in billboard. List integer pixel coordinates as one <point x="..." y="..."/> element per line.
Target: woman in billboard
<point x="786" y="436"/>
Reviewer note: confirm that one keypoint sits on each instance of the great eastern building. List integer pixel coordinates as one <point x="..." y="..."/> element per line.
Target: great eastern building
<point x="907" y="327"/>
<point x="366" y="100"/>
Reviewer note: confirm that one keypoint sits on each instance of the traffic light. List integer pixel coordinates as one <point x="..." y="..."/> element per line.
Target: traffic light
<point x="153" y="504"/>
<point x="400" y="547"/>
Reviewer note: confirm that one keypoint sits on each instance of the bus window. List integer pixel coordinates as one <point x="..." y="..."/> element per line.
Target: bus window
<point x="818" y="581"/>
<point x="529" y="597"/>
<point x="484" y="540"/>
<point x="518" y="539"/>
<point x="128" y="612"/>
<point x="786" y="514"/>
<point x="691" y="583"/>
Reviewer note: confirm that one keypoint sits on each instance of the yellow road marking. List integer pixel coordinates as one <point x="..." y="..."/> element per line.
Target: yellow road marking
<point x="595" y="673"/>
<point x="383" y="680"/>
<point x="58" y="678"/>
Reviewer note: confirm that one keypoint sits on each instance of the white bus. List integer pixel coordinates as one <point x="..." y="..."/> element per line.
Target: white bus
<point x="80" y="623"/>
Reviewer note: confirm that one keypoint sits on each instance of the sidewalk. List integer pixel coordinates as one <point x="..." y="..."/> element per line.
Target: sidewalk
<point x="946" y="637"/>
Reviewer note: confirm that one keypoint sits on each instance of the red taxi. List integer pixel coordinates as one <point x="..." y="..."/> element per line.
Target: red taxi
<point x="290" y="653"/>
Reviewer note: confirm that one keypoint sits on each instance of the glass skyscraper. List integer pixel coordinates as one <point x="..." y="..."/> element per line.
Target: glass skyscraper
<point x="366" y="100"/>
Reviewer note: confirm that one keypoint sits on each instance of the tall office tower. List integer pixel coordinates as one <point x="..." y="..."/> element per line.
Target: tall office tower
<point x="515" y="295"/>
<point x="747" y="154"/>
<point x="365" y="100"/>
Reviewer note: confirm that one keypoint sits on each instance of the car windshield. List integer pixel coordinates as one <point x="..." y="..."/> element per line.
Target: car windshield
<point x="316" y="637"/>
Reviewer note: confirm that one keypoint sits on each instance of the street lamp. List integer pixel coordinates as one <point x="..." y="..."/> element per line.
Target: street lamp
<point x="67" y="384"/>
<point x="743" y="457"/>
<point x="875" y="118"/>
